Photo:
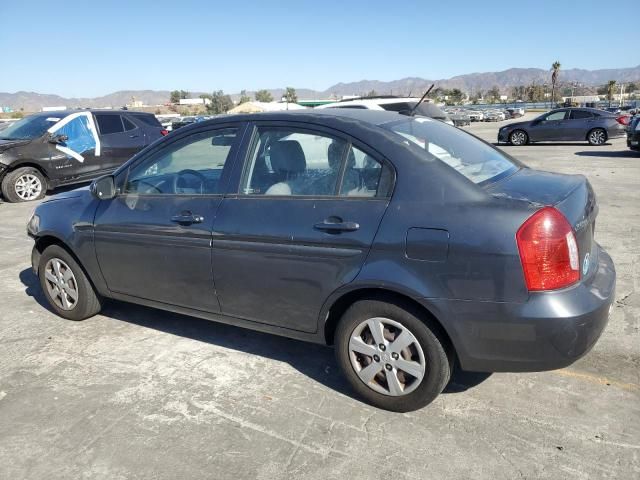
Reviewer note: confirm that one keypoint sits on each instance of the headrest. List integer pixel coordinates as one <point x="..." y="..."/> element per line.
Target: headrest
<point x="334" y="153"/>
<point x="287" y="157"/>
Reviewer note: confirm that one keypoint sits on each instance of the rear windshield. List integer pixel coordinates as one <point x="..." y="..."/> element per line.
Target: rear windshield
<point x="469" y="156"/>
<point x="147" y="119"/>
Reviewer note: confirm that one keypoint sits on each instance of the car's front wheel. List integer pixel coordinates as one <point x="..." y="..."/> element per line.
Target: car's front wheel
<point x="23" y="185"/>
<point x="597" y="136"/>
<point x="390" y="356"/>
<point x="518" y="137"/>
<point x="66" y="286"/>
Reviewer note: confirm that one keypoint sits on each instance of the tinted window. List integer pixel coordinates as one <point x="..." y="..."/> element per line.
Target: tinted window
<point x="580" y="114"/>
<point x="108" y="123"/>
<point x="287" y="161"/>
<point x="128" y="124"/>
<point x="397" y="107"/>
<point x="191" y="166"/>
<point x="555" y="116"/>
<point x="361" y="107"/>
<point x="149" y="120"/>
<point x="30" y="127"/>
<point x="469" y="156"/>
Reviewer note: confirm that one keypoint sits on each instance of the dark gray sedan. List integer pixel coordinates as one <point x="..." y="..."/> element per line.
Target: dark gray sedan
<point x="408" y="244"/>
<point x="566" y="124"/>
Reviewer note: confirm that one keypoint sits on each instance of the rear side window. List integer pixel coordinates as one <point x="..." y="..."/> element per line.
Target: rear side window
<point x="128" y="124"/>
<point x="108" y="123"/>
<point x="148" y="120"/>
<point x="291" y="162"/>
<point x="580" y="114"/>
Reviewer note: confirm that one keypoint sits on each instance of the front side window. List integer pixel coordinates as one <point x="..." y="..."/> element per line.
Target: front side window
<point x="190" y="166"/>
<point x="554" y="116"/>
<point x="291" y="162"/>
<point x="469" y="156"/>
<point x="108" y="123"/>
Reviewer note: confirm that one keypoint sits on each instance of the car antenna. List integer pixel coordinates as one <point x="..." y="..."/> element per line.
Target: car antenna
<point x="413" y="110"/>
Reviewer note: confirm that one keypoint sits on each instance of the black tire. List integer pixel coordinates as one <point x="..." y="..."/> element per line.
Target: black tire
<point x="88" y="301"/>
<point x="11" y="179"/>
<point x="518" y="138"/>
<point x="597" y="136"/>
<point x="438" y="363"/>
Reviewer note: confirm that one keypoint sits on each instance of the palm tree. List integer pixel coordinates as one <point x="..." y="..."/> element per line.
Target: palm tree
<point x="611" y="88"/>
<point x="555" y="69"/>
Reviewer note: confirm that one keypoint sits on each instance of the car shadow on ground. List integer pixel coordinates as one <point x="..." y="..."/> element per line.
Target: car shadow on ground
<point x="548" y="144"/>
<point x="313" y="360"/>
<point x="618" y="154"/>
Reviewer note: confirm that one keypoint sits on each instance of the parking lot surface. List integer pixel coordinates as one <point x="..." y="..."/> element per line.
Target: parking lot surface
<point x="141" y="393"/>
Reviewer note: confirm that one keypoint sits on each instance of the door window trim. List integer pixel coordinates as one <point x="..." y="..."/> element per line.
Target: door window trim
<point x="122" y="174"/>
<point x="244" y="161"/>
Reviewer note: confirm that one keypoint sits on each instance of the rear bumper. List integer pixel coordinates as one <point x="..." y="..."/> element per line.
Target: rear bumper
<point x="551" y="330"/>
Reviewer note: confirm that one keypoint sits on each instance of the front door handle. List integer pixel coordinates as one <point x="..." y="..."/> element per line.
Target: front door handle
<point x="336" y="225"/>
<point x="187" y="218"/>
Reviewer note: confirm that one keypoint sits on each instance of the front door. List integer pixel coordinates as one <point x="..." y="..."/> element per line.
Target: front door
<point x="153" y="240"/>
<point x="550" y="128"/>
<point x="79" y="143"/>
<point x="308" y="208"/>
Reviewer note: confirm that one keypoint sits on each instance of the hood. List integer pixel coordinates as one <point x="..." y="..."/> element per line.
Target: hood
<point x="7" y="144"/>
<point x="75" y="193"/>
<point x="518" y="125"/>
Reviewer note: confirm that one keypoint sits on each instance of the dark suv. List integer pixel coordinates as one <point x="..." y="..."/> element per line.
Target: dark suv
<point x="49" y="149"/>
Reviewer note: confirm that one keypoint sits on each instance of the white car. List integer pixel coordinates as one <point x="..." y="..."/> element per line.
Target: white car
<point x="393" y="104"/>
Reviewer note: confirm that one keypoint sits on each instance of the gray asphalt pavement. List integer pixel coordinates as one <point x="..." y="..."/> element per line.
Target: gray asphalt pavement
<point x="139" y="393"/>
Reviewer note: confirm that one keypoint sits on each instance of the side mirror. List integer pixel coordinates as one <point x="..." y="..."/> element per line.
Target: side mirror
<point x="58" y="138"/>
<point x="104" y="188"/>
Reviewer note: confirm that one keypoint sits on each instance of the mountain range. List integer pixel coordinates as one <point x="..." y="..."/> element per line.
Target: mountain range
<point x="472" y="82"/>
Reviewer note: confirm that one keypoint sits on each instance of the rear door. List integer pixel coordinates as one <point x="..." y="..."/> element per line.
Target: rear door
<point x="121" y="139"/>
<point x="153" y="240"/>
<point x="309" y="203"/>
<point x="151" y="126"/>
<point x="580" y="122"/>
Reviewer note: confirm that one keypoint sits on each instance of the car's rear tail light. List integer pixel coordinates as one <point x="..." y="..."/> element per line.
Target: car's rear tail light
<point x="548" y="251"/>
<point x="623" y="119"/>
<point x="164" y="132"/>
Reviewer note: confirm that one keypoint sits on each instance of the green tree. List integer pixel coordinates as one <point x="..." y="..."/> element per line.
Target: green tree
<point x="519" y="92"/>
<point x="176" y="95"/>
<point x="611" y="90"/>
<point x="456" y="95"/>
<point x="555" y="72"/>
<point x="371" y="93"/>
<point x="220" y="103"/>
<point x="290" y="95"/>
<point x="244" y="98"/>
<point x="264" y="96"/>
<point x="493" y="94"/>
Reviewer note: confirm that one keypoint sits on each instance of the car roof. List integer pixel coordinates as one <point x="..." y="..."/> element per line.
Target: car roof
<point x="64" y="113"/>
<point x="375" y="117"/>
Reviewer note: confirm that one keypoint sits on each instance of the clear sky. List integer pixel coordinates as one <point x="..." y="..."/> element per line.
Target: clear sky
<point x="91" y="48"/>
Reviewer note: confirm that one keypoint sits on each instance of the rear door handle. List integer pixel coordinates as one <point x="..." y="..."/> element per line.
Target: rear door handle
<point x="333" y="226"/>
<point x="187" y="218"/>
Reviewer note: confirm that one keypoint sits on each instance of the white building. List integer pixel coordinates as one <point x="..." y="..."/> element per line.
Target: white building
<point x="195" y="101"/>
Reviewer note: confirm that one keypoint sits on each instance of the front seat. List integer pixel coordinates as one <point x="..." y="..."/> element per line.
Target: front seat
<point x="288" y="162"/>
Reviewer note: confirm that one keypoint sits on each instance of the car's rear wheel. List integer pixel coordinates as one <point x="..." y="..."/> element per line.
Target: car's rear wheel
<point x="597" y="136"/>
<point x="23" y="184"/>
<point x="390" y="356"/>
<point x="518" y="137"/>
<point x="66" y="286"/>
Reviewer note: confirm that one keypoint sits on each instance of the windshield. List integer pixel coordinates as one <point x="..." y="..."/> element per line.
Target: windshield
<point x="476" y="160"/>
<point x="28" y="128"/>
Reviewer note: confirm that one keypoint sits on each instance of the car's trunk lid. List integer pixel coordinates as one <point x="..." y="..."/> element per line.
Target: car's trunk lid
<point x="570" y="194"/>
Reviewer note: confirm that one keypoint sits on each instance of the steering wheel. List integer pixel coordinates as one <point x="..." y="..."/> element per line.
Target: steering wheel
<point x="188" y="171"/>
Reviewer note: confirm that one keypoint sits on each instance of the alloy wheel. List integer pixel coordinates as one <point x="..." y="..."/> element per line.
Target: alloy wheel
<point x="28" y="187"/>
<point x="597" y="137"/>
<point x="387" y="357"/>
<point x="61" y="284"/>
<point x="518" y="137"/>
